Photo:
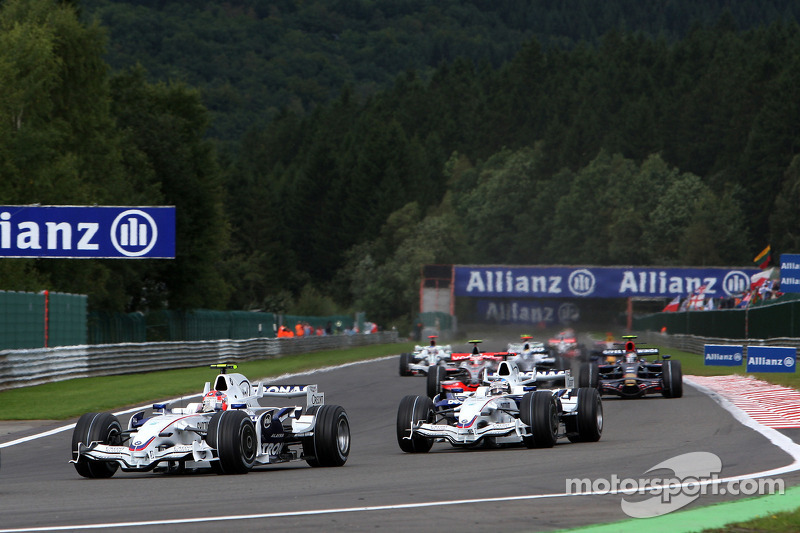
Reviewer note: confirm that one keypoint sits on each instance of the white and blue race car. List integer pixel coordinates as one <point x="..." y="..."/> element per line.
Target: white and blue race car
<point x="419" y="361"/>
<point x="228" y="431"/>
<point x="510" y="408"/>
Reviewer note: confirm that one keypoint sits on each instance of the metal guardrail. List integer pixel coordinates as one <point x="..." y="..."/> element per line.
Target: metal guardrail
<point x="22" y="368"/>
<point x="695" y="345"/>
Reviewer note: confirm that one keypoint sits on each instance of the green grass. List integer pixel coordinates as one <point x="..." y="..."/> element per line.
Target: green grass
<point x="777" y="523"/>
<point x="71" y="398"/>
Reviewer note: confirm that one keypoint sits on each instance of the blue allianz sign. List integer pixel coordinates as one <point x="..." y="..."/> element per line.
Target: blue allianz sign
<point x="790" y="272"/>
<point x="87" y="232"/>
<point x="597" y="282"/>
<point x="723" y="355"/>
<point x="771" y="359"/>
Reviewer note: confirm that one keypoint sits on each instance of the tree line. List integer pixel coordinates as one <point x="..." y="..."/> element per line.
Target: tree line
<point x="636" y="150"/>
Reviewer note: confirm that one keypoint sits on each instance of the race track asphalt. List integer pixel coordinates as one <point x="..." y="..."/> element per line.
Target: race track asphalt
<point x="381" y="488"/>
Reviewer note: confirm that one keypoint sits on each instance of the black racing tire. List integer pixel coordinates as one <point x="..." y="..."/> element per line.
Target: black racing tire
<point x="587" y="424"/>
<point x="413" y="409"/>
<point x="405" y="361"/>
<point x="539" y="411"/>
<point x="96" y="427"/>
<point x="330" y="443"/>
<point x="233" y="435"/>
<point x="588" y="375"/>
<point x="436" y="374"/>
<point x="671" y="379"/>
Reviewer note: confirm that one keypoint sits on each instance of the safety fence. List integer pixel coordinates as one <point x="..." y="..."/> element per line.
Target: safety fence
<point x="19" y="368"/>
<point x="696" y="344"/>
<point x="33" y="320"/>
<point x="771" y="319"/>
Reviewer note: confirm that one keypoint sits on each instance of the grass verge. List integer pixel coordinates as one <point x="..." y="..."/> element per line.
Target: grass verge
<point x="71" y="398"/>
<point x="777" y="523"/>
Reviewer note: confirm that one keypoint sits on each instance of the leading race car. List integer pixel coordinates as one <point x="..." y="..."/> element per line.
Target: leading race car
<point x="229" y="432"/>
<point x="529" y="354"/>
<point x="423" y="357"/>
<point x="627" y="373"/>
<point x="565" y="344"/>
<point x="508" y="409"/>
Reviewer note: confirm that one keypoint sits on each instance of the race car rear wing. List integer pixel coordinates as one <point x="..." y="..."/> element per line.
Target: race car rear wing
<point x="313" y="397"/>
<point x="639" y="351"/>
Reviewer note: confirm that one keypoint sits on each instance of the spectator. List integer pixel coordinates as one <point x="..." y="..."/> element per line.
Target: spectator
<point x="298" y="330"/>
<point x="329" y="328"/>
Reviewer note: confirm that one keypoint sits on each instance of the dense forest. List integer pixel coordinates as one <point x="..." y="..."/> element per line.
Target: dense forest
<point x="637" y="133"/>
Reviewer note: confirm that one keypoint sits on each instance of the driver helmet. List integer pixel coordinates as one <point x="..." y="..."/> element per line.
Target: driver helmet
<point x="215" y="401"/>
<point x="499" y="387"/>
<point x="630" y="357"/>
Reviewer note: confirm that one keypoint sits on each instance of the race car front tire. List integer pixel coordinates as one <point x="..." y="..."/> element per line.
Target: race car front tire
<point x="330" y="443"/>
<point x="414" y="409"/>
<point x="539" y="411"/>
<point x="587" y="424"/>
<point x="96" y="427"/>
<point x="671" y="379"/>
<point x="436" y="374"/>
<point x="233" y="435"/>
<point x="405" y="361"/>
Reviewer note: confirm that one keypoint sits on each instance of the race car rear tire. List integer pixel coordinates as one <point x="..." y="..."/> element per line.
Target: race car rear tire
<point x="587" y="424"/>
<point x="588" y="375"/>
<point x="330" y="443"/>
<point x="96" y="427"/>
<point x="671" y="379"/>
<point x="233" y="435"/>
<point x="539" y="411"/>
<point x="414" y="409"/>
<point x="405" y="361"/>
<point x="436" y="374"/>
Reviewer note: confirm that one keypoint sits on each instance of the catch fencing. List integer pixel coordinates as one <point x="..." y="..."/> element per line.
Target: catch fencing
<point x="20" y="368"/>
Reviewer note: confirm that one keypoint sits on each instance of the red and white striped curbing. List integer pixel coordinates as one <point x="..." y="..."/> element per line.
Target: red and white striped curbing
<point x="772" y="405"/>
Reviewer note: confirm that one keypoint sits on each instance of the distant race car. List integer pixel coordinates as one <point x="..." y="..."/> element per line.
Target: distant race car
<point x="625" y="372"/>
<point x="423" y="357"/>
<point x="529" y="354"/>
<point x="509" y="408"/>
<point x="466" y="370"/>
<point x="565" y="344"/>
<point x="229" y="432"/>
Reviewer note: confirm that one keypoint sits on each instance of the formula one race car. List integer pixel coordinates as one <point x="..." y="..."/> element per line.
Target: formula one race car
<point x="466" y="370"/>
<point x="529" y="355"/>
<point x="229" y="432"/>
<point x="625" y="372"/>
<point x="423" y="357"/>
<point x="509" y="409"/>
<point x="565" y="344"/>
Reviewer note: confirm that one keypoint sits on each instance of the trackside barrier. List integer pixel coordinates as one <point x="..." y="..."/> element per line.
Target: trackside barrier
<point x="21" y="368"/>
<point x="696" y="345"/>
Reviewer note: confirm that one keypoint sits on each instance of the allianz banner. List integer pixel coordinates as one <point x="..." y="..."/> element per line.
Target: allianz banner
<point x="87" y="232"/>
<point x="723" y="355"/>
<point x="598" y="282"/>
<point x="790" y="273"/>
<point x="771" y="359"/>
